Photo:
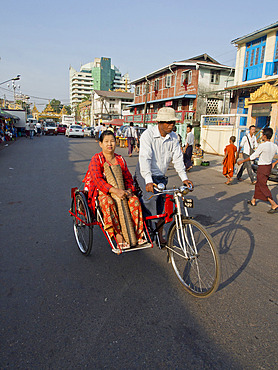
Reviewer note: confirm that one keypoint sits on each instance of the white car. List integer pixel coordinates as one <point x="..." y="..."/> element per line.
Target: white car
<point x="75" y="130"/>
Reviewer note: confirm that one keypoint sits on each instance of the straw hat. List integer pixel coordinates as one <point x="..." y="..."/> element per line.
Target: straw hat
<point x="166" y="114"/>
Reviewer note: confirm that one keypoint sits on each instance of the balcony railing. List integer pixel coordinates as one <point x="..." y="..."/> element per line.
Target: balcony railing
<point x="182" y="115"/>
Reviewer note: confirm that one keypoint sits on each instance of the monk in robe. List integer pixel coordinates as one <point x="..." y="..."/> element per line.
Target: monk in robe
<point x="229" y="160"/>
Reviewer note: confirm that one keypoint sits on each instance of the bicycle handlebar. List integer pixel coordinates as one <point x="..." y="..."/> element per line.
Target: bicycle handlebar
<point x="161" y="189"/>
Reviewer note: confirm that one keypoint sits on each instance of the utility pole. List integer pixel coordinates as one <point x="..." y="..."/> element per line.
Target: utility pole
<point x="146" y="100"/>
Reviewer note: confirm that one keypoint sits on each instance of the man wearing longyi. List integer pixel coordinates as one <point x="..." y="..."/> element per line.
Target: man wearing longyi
<point x="159" y="145"/>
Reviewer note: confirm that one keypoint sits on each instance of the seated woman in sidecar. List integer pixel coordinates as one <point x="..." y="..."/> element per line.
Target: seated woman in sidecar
<point x="109" y="179"/>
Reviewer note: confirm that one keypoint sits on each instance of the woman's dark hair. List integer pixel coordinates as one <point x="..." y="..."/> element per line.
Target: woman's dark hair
<point x="233" y="139"/>
<point x="106" y="133"/>
<point x="268" y="132"/>
<point x="190" y="126"/>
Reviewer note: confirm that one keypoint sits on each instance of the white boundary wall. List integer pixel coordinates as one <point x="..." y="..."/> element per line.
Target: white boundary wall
<point x="215" y="136"/>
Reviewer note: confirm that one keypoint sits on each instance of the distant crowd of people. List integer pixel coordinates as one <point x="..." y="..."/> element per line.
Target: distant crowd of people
<point x="8" y="131"/>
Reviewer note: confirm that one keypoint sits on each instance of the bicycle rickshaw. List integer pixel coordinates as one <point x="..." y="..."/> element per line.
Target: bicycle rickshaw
<point x="190" y="248"/>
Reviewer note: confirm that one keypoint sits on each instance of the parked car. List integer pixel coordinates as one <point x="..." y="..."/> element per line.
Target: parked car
<point x="274" y="171"/>
<point x="75" y="130"/>
<point x="89" y="131"/>
<point x="50" y="128"/>
<point x="61" y="129"/>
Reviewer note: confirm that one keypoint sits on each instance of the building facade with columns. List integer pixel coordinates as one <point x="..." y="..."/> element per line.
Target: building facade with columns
<point x="255" y="90"/>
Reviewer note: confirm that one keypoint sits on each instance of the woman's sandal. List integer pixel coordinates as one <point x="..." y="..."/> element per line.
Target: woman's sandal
<point x="250" y="203"/>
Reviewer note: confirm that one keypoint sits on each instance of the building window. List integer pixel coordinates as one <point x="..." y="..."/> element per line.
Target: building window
<point x="168" y="80"/>
<point x="137" y="90"/>
<point x="186" y="78"/>
<point x="156" y="85"/>
<point x="212" y="106"/>
<point x="276" y="48"/>
<point x="215" y="77"/>
<point x="271" y="68"/>
<point x="254" y="59"/>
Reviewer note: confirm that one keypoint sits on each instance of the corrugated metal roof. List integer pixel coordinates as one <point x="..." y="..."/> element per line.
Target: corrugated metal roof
<point x="114" y="94"/>
<point x="255" y="33"/>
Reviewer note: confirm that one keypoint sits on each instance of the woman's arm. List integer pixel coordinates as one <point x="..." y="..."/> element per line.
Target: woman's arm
<point x="96" y="172"/>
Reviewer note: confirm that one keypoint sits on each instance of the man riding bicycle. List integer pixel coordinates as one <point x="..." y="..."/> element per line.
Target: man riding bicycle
<point x="159" y="145"/>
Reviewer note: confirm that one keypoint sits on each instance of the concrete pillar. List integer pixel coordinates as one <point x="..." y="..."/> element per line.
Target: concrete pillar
<point x="250" y="120"/>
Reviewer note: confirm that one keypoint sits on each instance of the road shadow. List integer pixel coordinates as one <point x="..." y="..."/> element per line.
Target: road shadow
<point x="228" y="229"/>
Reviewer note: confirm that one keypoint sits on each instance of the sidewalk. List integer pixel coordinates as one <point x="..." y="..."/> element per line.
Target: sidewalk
<point x="5" y="144"/>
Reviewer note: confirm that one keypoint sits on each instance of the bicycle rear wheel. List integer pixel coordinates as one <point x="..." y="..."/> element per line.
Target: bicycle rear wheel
<point x="82" y="232"/>
<point x="194" y="260"/>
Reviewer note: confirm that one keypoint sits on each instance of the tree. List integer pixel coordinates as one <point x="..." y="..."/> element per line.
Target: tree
<point x="68" y="109"/>
<point x="56" y="105"/>
<point x="85" y="98"/>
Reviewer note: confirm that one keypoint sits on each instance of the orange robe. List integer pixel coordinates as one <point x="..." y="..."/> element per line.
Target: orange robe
<point x="230" y="160"/>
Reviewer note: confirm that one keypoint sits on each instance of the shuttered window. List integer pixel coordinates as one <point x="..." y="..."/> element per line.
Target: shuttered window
<point x="254" y="59"/>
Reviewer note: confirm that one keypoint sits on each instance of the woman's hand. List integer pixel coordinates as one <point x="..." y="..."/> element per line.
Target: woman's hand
<point x="240" y="162"/>
<point x="129" y="193"/>
<point x="118" y="192"/>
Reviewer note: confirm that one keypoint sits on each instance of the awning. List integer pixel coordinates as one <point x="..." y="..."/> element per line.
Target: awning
<point x="8" y="115"/>
<point x="185" y="96"/>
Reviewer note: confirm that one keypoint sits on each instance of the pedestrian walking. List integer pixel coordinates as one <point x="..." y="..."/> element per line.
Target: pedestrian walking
<point x="229" y="160"/>
<point x="249" y="145"/>
<point x="110" y="128"/>
<point x="32" y="129"/>
<point x="188" y="148"/>
<point x="132" y="138"/>
<point x="96" y="131"/>
<point x="38" y="126"/>
<point x="266" y="152"/>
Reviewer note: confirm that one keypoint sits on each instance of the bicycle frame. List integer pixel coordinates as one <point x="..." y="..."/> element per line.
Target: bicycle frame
<point x="172" y="209"/>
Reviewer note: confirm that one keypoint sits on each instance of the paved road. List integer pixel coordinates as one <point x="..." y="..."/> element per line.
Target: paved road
<point x="61" y="310"/>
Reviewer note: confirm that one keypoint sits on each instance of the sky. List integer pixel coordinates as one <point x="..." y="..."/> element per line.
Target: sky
<point x="41" y="40"/>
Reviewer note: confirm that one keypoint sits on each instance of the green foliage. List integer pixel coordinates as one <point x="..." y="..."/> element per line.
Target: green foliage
<point x="85" y="98"/>
<point x="56" y="105"/>
<point x="68" y="109"/>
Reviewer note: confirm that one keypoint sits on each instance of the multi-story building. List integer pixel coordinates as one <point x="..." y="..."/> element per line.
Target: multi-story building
<point x="98" y="75"/>
<point x="108" y="105"/>
<point x="81" y="84"/>
<point x="255" y="90"/>
<point x="190" y="86"/>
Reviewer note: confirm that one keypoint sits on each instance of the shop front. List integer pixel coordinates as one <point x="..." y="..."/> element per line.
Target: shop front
<point x="263" y="108"/>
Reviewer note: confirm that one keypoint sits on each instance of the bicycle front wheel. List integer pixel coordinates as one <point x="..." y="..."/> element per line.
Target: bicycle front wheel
<point x="82" y="232"/>
<point x="194" y="258"/>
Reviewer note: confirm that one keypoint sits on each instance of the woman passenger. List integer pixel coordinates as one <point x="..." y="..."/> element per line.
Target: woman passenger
<point x="96" y="185"/>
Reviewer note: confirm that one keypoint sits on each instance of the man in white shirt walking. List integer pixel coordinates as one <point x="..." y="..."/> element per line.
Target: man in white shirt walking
<point x="249" y="145"/>
<point x="266" y="152"/>
<point x="188" y="149"/>
<point x="131" y="136"/>
<point x="158" y="147"/>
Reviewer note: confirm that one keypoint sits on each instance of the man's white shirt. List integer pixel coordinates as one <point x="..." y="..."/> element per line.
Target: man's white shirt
<point x="189" y="138"/>
<point x="245" y="144"/>
<point x="265" y="151"/>
<point x="156" y="153"/>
